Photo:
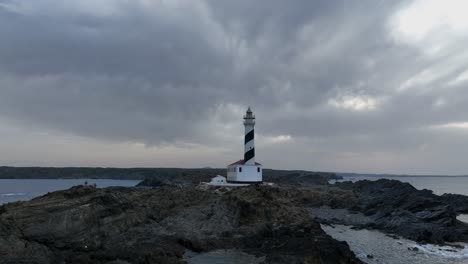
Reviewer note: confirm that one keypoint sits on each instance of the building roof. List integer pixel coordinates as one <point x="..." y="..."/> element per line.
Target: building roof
<point x="241" y="162"/>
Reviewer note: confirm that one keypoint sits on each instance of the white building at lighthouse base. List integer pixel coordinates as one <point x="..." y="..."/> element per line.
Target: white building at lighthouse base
<point x="240" y="172"/>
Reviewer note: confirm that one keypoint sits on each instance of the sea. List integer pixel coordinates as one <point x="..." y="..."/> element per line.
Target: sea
<point x="12" y="190"/>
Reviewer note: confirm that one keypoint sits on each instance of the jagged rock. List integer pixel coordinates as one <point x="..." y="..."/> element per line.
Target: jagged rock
<point x="141" y="225"/>
<point x="158" y="225"/>
<point x="302" y="179"/>
<point x="458" y="202"/>
<point x="399" y="208"/>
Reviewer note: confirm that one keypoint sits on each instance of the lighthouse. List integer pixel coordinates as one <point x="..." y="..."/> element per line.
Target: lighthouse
<point x="246" y="170"/>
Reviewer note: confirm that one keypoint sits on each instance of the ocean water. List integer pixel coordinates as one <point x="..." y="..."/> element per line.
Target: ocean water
<point x="374" y="247"/>
<point x="12" y="190"/>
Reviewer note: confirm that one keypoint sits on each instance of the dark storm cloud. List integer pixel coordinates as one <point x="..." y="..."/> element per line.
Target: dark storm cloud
<point x="134" y="77"/>
<point x="330" y="72"/>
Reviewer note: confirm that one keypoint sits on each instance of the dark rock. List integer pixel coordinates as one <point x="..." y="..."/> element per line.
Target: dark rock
<point x="301" y="179"/>
<point x="458" y="202"/>
<point x="141" y="225"/>
<point x="399" y="208"/>
<point x="159" y="181"/>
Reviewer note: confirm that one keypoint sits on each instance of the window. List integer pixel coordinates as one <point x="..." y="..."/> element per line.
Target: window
<point x="240" y="169"/>
<point x="258" y="169"/>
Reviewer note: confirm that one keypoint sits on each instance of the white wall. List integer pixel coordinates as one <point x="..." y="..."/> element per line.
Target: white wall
<point x="248" y="174"/>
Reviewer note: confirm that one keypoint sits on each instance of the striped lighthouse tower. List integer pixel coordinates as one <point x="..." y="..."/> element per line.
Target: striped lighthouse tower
<point x="249" y="141"/>
<point x="246" y="171"/>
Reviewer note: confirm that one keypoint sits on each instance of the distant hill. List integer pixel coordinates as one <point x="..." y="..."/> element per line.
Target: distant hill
<point x="197" y="174"/>
<point x="345" y="174"/>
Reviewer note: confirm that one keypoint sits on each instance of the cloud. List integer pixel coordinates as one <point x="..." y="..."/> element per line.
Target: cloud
<point x="356" y="103"/>
<point x="421" y="19"/>
<point x="332" y="81"/>
<point x="455" y="125"/>
<point x="275" y="139"/>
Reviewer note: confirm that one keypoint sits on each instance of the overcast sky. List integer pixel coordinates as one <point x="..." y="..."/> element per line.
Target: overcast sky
<point x="343" y="85"/>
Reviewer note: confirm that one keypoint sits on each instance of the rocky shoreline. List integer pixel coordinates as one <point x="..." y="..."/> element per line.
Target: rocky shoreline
<point x="163" y="220"/>
<point x="138" y="225"/>
<point x="397" y="208"/>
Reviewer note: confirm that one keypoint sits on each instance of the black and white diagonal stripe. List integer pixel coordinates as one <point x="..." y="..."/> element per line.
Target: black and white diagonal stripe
<point x="249" y="153"/>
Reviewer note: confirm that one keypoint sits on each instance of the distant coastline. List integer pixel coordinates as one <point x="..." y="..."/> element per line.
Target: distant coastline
<point x="9" y="172"/>
<point x="98" y="172"/>
<point x="384" y="175"/>
<point x="201" y="174"/>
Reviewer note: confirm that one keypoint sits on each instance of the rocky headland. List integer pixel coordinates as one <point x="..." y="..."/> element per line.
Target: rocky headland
<point x="159" y="225"/>
<point x="164" y="219"/>
<point x="395" y="208"/>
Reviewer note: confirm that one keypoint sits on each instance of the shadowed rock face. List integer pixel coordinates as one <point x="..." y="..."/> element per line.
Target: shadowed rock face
<point x="302" y="179"/>
<point x="134" y="225"/>
<point x="457" y="201"/>
<point x="399" y="208"/>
